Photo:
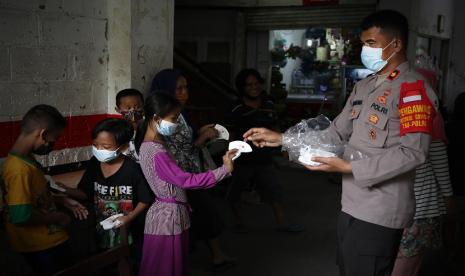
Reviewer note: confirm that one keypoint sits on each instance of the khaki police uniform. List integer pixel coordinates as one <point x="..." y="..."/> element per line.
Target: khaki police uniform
<point x="389" y="120"/>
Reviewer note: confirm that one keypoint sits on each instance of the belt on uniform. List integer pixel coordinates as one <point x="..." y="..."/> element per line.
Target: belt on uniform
<point x="174" y="201"/>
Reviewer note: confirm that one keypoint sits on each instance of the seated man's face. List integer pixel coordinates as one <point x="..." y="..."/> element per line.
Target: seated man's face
<point x="252" y="87"/>
<point x="131" y="109"/>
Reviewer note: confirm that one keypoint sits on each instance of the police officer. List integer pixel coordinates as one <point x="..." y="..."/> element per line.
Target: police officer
<point x="388" y="117"/>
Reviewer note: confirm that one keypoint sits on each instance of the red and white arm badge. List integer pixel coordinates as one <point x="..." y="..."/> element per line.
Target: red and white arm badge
<point x="415" y="109"/>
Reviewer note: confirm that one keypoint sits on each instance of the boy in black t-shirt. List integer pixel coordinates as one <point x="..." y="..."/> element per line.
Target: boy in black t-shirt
<point x="114" y="184"/>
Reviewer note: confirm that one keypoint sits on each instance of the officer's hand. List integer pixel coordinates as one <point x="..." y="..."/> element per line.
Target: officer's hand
<point x="331" y="164"/>
<point x="262" y="137"/>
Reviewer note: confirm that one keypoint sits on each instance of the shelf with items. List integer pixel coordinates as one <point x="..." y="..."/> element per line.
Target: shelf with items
<point x="308" y="63"/>
<point x="316" y="86"/>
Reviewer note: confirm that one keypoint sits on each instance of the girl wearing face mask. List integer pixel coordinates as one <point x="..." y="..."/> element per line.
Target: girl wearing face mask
<point x="114" y="184"/>
<point x="185" y="146"/>
<point x="167" y="222"/>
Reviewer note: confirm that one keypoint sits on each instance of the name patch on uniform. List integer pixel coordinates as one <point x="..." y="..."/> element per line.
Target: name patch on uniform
<point x="357" y="102"/>
<point x="415" y="109"/>
<point x="379" y="108"/>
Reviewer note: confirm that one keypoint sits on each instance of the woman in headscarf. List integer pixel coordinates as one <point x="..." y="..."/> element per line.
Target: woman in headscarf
<point x="185" y="146"/>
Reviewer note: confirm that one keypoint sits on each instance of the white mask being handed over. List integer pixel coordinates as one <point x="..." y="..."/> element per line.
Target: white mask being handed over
<point x="105" y="155"/>
<point x="372" y="58"/>
<point x="166" y="128"/>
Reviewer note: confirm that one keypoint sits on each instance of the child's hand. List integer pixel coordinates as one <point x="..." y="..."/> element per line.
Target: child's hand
<point x="206" y="127"/>
<point x="227" y="159"/>
<point x="79" y="211"/>
<point x="207" y="134"/>
<point x="211" y="133"/>
<point x="124" y="220"/>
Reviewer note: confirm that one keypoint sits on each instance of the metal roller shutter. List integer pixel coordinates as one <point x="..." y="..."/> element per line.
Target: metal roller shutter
<point x="302" y="17"/>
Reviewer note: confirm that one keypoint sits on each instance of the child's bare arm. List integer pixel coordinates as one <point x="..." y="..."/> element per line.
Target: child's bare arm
<point x="140" y="207"/>
<point x="75" y="193"/>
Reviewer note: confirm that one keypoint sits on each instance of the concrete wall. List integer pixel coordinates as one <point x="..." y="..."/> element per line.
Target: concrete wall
<point x="57" y="52"/>
<point x="140" y="37"/>
<point x="152" y="40"/>
<point x="53" y="52"/>
<point x="76" y="55"/>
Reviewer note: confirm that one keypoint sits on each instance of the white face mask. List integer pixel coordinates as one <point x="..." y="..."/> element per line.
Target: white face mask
<point x="105" y="155"/>
<point x="372" y="57"/>
<point x="166" y="128"/>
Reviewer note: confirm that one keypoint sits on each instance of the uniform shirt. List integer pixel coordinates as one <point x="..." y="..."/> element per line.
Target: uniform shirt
<point x="242" y="118"/>
<point x="118" y="193"/>
<point x="374" y="122"/>
<point x="27" y="193"/>
<point x="432" y="183"/>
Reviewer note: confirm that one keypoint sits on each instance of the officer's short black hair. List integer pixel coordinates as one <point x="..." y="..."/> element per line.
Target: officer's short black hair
<point x="390" y="22"/>
<point x="42" y="116"/>
<point x="128" y="92"/>
<point x="121" y="130"/>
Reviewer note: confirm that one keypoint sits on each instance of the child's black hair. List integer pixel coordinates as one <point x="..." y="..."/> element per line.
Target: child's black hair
<point x="42" y="116"/>
<point x="161" y="104"/>
<point x="128" y="92"/>
<point x="390" y="22"/>
<point x="121" y="130"/>
<point x="242" y="76"/>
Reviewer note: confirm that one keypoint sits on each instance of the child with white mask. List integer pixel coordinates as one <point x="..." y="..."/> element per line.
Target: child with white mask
<point x="113" y="184"/>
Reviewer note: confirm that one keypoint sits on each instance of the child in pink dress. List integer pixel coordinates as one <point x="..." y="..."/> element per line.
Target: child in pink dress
<point x="166" y="234"/>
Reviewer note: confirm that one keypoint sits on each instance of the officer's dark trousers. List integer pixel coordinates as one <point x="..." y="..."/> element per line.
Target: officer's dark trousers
<point x="365" y="249"/>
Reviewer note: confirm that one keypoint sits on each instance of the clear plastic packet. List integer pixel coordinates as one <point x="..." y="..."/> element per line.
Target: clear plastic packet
<point x="355" y="155"/>
<point x="310" y="138"/>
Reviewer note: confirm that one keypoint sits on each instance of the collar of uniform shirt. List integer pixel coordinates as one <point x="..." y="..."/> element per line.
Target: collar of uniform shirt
<point x="381" y="78"/>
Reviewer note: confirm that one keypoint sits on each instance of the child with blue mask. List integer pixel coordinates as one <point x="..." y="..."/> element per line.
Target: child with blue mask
<point x="166" y="128"/>
<point x="188" y="147"/>
<point x="114" y="184"/>
<point x="167" y="223"/>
